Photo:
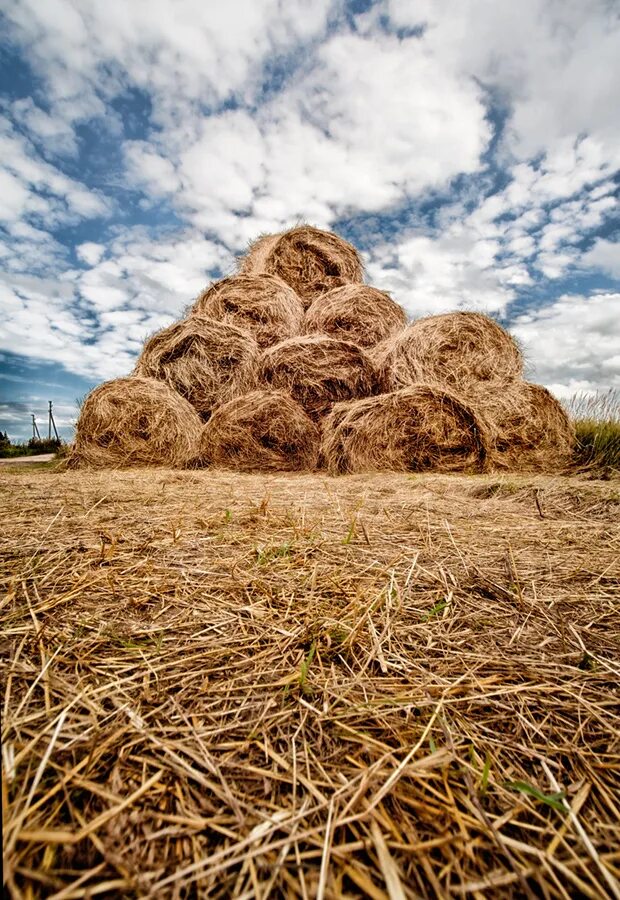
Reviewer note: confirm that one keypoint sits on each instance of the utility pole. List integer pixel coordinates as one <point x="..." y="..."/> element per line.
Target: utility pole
<point x="51" y="424"/>
<point x="35" y="429"/>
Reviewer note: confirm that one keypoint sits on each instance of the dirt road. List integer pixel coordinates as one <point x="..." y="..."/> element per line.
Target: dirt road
<point x="42" y="457"/>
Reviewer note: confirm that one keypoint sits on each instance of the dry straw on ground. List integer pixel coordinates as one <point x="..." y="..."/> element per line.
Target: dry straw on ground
<point x="422" y="428"/>
<point x="135" y="422"/>
<point x="311" y="261"/>
<point x="451" y="349"/>
<point x="356" y="312"/>
<point x="263" y="304"/>
<point x="224" y="685"/>
<point x="206" y="361"/>
<point x="529" y="429"/>
<point x="261" y="432"/>
<point x="318" y="371"/>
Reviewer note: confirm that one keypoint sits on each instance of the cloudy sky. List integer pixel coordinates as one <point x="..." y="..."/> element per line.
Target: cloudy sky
<point x="469" y="148"/>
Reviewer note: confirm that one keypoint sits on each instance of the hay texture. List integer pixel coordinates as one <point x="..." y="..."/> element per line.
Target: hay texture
<point x="311" y="261"/>
<point x="135" y="422"/>
<point x="262" y="432"/>
<point x="356" y="312"/>
<point x="529" y="429"/>
<point x="261" y="304"/>
<point x="318" y="371"/>
<point x="452" y="349"/>
<point x="206" y="361"/>
<point x="417" y="429"/>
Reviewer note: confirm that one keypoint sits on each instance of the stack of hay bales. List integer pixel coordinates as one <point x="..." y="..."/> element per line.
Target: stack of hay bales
<point x="294" y="364"/>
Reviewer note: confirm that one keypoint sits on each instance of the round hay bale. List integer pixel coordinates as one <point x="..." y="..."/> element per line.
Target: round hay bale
<point x="452" y="349"/>
<point x="261" y="304"/>
<point x="529" y="429"/>
<point x="356" y="312"/>
<point x="206" y="361"/>
<point x="318" y="371"/>
<point x="262" y="432"/>
<point x="135" y="422"/>
<point x="416" y="429"/>
<point x="311" y="261"/>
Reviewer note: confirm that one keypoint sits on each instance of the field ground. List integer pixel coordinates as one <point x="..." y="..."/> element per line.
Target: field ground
<point x="247" y="686"/>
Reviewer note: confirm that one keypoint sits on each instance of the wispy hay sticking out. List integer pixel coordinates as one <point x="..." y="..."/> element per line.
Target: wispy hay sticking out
<point x="416" y="429"/>
<point x="356" y="312"/>
<point x="311" y="261"/>
<point x="263" y="431"/>
<point x="206" y="361"/>
<point x="529" y="429"/>
<point x="262" y="304"/>
<point x="135" y="422"/>
<point x="318" y="371"/>
<point x="452" y="349"/>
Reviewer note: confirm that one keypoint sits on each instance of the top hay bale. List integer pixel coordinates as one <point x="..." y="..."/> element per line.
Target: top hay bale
<point x="356" y="312"/>
<point x="135" y="422"/>
<point x="262" y="304"/>
<point x="453" y="349"/>
<point x="206" y="361"/>
<point x="311" y="261"/>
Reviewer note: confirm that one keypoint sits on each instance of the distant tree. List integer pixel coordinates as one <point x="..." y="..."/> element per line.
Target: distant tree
<point x="44" y="445"/>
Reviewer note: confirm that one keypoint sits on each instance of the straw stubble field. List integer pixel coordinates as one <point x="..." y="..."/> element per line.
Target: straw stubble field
<point x="388" y="686"/>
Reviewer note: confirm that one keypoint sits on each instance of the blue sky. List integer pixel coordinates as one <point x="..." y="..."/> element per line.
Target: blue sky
<point x="469" y="148"/>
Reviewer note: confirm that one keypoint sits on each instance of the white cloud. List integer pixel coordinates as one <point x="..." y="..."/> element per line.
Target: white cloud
<point x="179" y="51"/>
<point x="604" y="255"/>
<point x="90" y="252"/>
<point x="434" y="275"/>
<point x="479" y="261"/>
<point x="371" y="122"/>
<point x="572" y="344"/>
<point x="14" y="197"/>
<point x="94" y="321"/>
<point x="146" y="166"/>
<point x="555" y="63"/>
<point x="52" y="131"/>
<point x="37" y="190"/>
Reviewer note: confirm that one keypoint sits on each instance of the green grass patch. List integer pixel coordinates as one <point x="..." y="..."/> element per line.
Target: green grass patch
<point x="303" y="672"/>
<point x="32" y="448"/>
<point x="21" y="467"/>
<point x="597" y="429"/>
<point x="554" y="800"/>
